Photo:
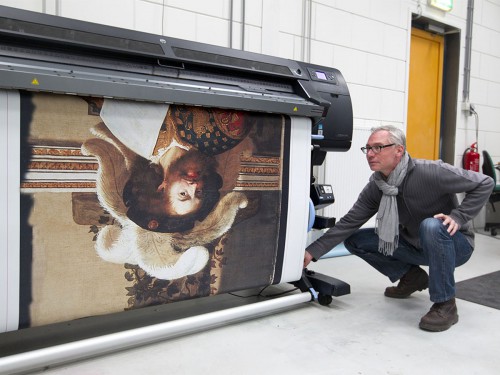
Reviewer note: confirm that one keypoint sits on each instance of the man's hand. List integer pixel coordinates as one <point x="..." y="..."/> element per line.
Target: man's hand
<point x="307" y="259"/>
<point x="447" y="220"/>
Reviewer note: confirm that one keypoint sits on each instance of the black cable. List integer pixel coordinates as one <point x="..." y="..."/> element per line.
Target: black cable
<point x="279" y="294"/>
<point x="264" y="295"/>
<point x="251" y="295"/>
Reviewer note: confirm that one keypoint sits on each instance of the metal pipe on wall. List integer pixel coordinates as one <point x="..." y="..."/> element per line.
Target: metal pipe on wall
<point x="306" y="30"/>
<point x="468" y="50"/>
<point x="243" y="6"/>
<point x="231" y="23"/>
<point x="97" y="346"/>
<point x="52" y="7"/>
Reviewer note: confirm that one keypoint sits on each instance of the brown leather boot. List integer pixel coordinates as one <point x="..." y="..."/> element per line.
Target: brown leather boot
<point x="440" y="317"/>
<point x="415" y="279"/>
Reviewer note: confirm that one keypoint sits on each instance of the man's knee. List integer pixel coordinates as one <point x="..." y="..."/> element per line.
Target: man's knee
<point x="361" y="241"/>
<point x="350" y="245"/>
<point x="431" y="227"/>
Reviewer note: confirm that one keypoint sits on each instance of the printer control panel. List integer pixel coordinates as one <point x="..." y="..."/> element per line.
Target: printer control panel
<point x="322" y="75"/>
<point x="321" y="195"/>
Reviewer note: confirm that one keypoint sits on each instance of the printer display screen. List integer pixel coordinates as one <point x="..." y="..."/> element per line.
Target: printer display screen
<point x="320" y="75"/>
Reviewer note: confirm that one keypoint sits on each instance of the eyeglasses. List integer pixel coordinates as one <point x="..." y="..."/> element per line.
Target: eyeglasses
<point x="375" y="149"/>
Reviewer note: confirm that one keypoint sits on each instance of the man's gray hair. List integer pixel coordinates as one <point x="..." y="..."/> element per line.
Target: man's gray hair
<point x="396" y="135"/>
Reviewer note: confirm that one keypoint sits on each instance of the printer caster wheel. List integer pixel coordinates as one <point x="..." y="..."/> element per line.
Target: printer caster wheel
<point x="324" y="300"/>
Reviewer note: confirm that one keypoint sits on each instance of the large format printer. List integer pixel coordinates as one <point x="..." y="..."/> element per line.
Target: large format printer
<point x="86" y="106"/>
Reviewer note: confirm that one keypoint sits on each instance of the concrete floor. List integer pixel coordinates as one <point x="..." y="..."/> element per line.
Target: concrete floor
<point x="359" y="333"/>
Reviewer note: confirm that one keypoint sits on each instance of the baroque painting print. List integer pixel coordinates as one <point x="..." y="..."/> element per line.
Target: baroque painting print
<point x="130" y="204"/>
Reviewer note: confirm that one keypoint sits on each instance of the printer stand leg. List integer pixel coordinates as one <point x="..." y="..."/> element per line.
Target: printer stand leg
<point x="324" y="286"/>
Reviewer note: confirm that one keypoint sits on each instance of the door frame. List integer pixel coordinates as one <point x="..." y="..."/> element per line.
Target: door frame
<point x="451" y="74"/>
<point x="433" y="44"/>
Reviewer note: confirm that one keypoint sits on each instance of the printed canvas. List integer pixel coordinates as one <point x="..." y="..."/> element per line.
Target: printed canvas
<point x="129" y="204"/>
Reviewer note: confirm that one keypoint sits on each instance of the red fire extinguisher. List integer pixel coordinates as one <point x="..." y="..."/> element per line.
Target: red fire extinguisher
<point x="470" y="159"/>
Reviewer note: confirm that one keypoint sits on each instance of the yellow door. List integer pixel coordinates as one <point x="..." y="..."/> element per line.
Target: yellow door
<point x="424" y="96"/>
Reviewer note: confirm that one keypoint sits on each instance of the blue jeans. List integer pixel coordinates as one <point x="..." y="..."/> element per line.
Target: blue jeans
<point x="440" y="251"/>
